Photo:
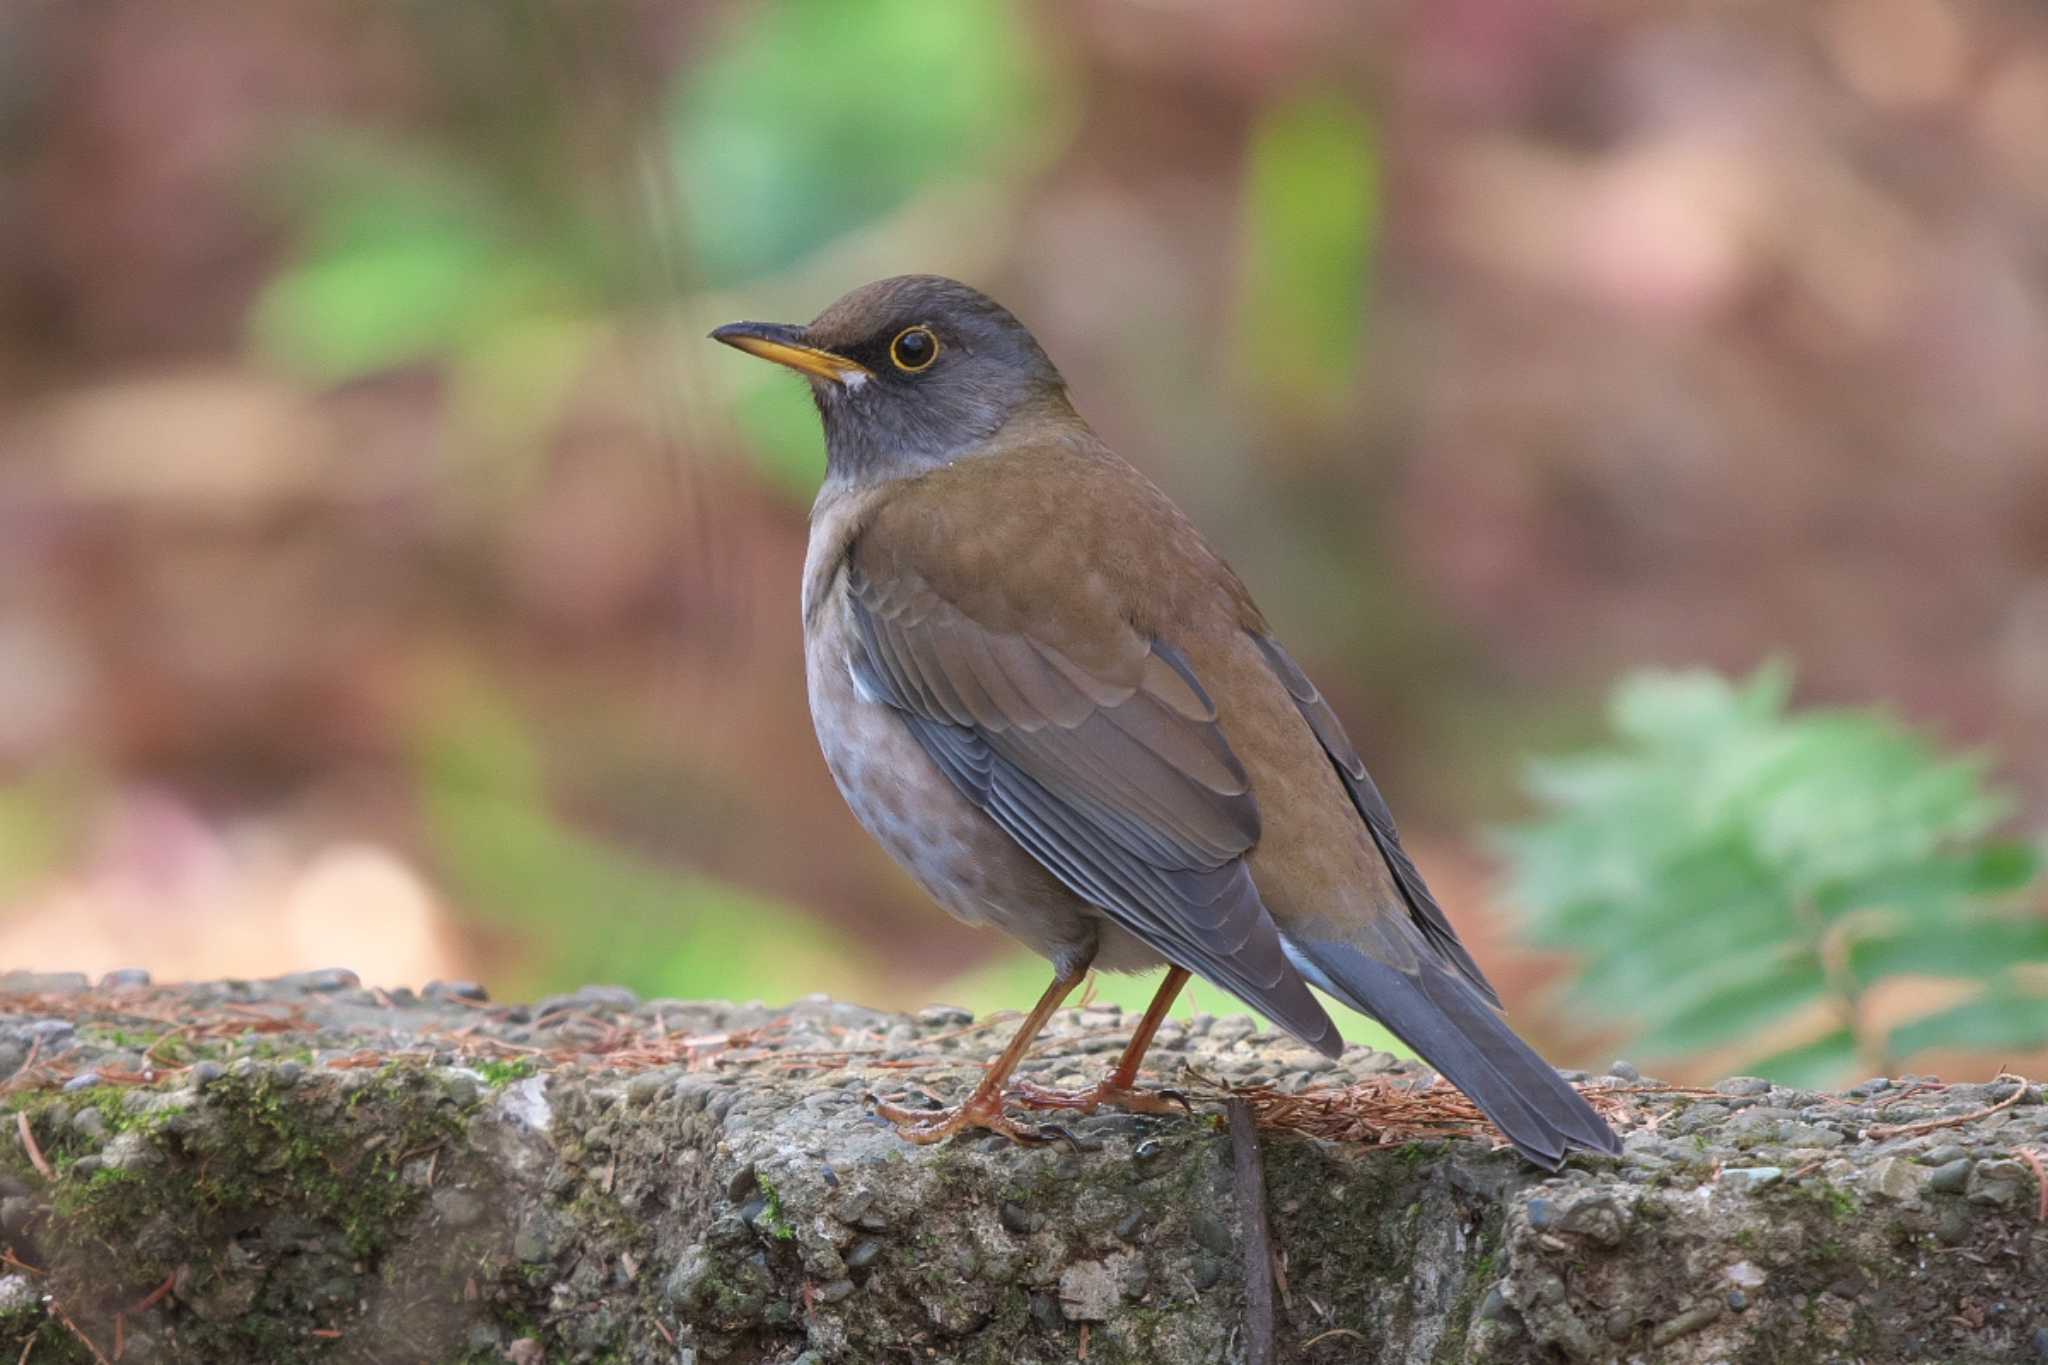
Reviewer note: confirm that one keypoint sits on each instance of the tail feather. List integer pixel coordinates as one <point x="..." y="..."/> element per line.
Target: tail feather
<point x="1444" y="1019"/>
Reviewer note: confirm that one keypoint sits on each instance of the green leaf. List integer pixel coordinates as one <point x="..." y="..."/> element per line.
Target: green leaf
<point x="1699" y="867"/>
<point x="1820" y="1063"/>
<point x="1740" y="1011"/>
<point x="2003" y="867"/>
<point x="1981" y="947"/>
<point x="1999" y="1019"/>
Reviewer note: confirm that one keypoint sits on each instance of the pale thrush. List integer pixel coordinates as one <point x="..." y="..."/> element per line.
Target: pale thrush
<point x="1060" y="710"/>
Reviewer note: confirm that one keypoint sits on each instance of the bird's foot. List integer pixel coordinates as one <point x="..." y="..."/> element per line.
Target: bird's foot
<point x="982" y="1110"/>
<point x="1104" y="1092"/>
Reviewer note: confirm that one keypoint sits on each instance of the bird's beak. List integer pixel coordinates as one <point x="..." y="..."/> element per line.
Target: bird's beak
<point x="784" y="345"/>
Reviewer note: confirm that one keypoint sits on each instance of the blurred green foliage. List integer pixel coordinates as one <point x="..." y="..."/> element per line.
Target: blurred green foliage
<point x="1728" y="865"/>
<point x="1313" y="211"/>
<point x="405" y="263"/>
<point x="818" y="117"/>
<point x="37" y="817"/>
<point x="583" y="910"/>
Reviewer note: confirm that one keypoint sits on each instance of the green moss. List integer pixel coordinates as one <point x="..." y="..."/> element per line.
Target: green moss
<point x="498" y="1074"/>
<point x="328" y="1155"/>
<point x="772" y="1217"/>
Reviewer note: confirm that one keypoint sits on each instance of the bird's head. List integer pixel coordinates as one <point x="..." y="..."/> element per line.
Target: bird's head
<point x="909" y="373"/>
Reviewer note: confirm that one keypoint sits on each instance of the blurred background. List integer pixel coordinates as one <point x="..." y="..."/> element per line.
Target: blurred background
<point x="392" y="576"/>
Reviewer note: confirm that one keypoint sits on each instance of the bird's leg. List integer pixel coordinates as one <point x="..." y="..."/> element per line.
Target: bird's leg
<point x="1116" y="1089"/>
<point x="984" y="1107"/>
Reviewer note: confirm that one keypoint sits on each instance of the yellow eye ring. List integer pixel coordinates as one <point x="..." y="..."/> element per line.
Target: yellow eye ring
<point x="914" y="349"/>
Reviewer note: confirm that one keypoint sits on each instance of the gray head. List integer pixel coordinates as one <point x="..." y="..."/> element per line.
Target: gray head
<point x="909" y="373"/>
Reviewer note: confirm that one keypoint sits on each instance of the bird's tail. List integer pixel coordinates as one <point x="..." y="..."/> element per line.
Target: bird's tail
<point x="1454" y="1030"/>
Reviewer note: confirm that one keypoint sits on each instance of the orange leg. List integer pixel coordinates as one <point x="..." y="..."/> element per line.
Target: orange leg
<point x="1116" y="1090"/>
<point x="984" y="1108"/>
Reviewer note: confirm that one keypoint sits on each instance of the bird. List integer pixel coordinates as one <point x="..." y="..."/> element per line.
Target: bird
<point x="1049" y="699"/>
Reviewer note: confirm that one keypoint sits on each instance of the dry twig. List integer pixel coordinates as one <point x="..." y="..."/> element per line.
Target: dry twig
<point x="28" y="1142"/>
<point x="1892" y="1130"/>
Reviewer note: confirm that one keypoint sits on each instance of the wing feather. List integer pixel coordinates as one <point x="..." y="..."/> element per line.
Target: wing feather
<point x="1118" y="779"/>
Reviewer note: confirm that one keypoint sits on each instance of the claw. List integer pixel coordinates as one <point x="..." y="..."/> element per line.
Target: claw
<point x="1049" y="1132"/>
<point x="981" y="1110"/>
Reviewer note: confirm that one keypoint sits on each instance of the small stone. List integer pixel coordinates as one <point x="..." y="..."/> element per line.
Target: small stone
<point x="944" y="1016"/>
<point x="643" y="1088"/>
<point x="1996" y="1184"/>
<point x="290" y="1073"/>
<point x="454" y="990"/>
<point x="1045" y="1311"/>
<point x="1211" y="1232"/>
<point x="1951" y="1177"/>
<point x="1495" y="1307"/>
<point x="84" y="1080"/>
<point x="1016" y="1218"/>
<point x="531" y="1243"/>
<point x="457" y="1208"/>
<point x="1744" y="1275"/>
<point x="1150" y="1149"/>
<point x="205" y="1073"/>
<point x="124" y="979"/>
<point x="1206" y="1270"/>
<point x="1894" y="1178"/>
<point x="17" y="1295"/>
<point x="56" y="1034"/>
<point x="526" y="1351"/>
<point x="863" y="1254"/>
<point x="1236" y="1028"/>
<point x="131" y="1151"/>
<point x="1598" y="1220"/>
<point x="1130" y="1225"/>
<point x="90" y="1124"/>
<point x="834" y="1290"/>
<point x="1089" y="1291"/>
<point x="1744" y="1085"/>
<point x="1752" y="1177"/>
<point x="1691" y="1320"/>
<point x="323" y="981"/>
<point x="1738" y="1300"/>
<point x="1942" y="1155"/>
<point x="2041" y="1342"/>
<point x="608" y="997"/>
<point x="1624" y="1071"/>
<point x="1541" y="1213"/>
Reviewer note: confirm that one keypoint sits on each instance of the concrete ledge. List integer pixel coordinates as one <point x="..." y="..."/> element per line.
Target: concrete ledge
<point x="306" y="1170"/>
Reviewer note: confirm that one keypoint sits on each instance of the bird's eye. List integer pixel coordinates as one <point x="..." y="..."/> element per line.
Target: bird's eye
<point x="914" y="349"/>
